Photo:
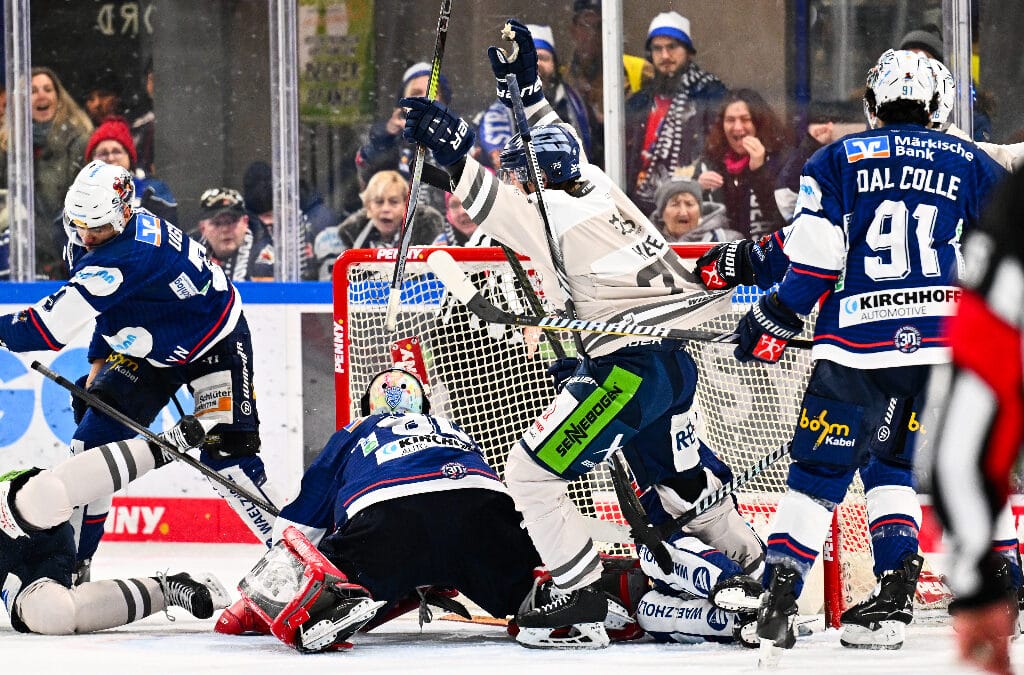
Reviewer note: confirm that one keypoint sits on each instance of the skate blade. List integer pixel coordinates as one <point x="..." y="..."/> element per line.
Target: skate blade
<point x="218" y="594"/>
<point x="583" y="636"/>
<point x="325" y="633"/>
<point x="889" y="635"/>
<point x="736" y="600"/>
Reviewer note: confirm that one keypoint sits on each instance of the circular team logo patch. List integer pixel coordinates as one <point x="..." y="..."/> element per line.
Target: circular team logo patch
<point x="717" y="619"/>
<point x="907" y="339"/>
<point x="883" y="433"/>
<point x="702" y="580"/>
<point x="453" y="470"/>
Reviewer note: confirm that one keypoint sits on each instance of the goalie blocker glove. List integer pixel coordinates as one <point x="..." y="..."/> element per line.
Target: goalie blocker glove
<point x="524" y="66"/>
<point x="434" y="126"/>
<point x="766" y="329"/>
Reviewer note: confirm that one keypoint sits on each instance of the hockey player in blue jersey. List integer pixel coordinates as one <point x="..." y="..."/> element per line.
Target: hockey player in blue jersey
<point x="164" y="317"/>
<point x="876" y="241"/>
<point x="37" y="544"/>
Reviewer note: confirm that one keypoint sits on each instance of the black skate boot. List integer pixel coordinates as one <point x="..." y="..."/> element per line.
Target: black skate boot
<point x="776" y="616"/>
<point x="880" y="622"/>
<point x="573" y="619"/>
<point x="199" y="596"/>
<point x="740" y="593"/>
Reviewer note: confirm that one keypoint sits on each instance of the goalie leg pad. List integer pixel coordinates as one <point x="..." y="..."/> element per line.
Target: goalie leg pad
<point x="249" y="473"/>
<point x="677" y="618"/>
<point x="307" y="601"/>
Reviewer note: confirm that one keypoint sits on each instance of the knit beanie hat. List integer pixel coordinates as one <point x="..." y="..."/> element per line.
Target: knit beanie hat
<point x="543" y="38"/>
<point x="112" y="129"/>
<point x="927" y="40"/>
<point x="671" y="188"/>
<point x="673" y="25"/>
<point x="258" y="187"/>
<point x="444" y="91"/>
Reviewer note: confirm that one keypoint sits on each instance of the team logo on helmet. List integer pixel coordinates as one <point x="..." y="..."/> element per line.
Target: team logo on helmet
<point x="392" y="392"/>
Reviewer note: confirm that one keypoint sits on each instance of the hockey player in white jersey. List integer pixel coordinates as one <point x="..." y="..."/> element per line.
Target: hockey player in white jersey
<point x="876" y="240"/>
<point x="164" y="317"/>
<point x="37" y="544"/>
<point x="637" y="394"/>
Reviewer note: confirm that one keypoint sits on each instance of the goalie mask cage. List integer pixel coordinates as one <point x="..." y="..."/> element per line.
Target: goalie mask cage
<point x="491" y="379"/>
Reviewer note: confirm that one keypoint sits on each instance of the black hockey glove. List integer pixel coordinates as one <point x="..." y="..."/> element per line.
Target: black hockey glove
<point x="561" y="370"/>
<point x="524" y="67"/>
<point x="78" y="404"/>
<point x="766" y="329"/>
<point x="433" y="126"/>
<point x="727" y="265"/>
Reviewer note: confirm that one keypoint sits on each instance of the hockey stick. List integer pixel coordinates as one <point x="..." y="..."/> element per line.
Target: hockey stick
<point x="395" y="294"/>
<point x="523" y="279"/>
<point x="633" y="511"/>
<point x="112" y="412"/>
<point x="447" y="270"/>
<point x="669" y="528"/>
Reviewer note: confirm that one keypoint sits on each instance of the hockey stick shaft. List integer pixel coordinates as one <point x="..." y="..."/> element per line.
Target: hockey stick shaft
<point x="108" y="410"/>
<point x="455" y="280"/>
<point x="633" y="511"/>
<point x="395" y="293"/>
<point x="523" y="279"/>
<point x="671" y="527"/>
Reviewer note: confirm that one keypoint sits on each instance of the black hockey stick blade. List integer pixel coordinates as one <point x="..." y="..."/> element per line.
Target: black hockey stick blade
<point x="633" y="511"/>
<point x="669" y="528"/>
<point x="108" y="410"/>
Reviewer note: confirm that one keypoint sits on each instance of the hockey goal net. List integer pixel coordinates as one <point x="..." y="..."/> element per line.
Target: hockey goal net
<point x="491" y="380"/>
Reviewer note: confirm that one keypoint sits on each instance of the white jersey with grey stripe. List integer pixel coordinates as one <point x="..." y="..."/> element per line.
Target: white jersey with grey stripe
<point x="620" y="268"/>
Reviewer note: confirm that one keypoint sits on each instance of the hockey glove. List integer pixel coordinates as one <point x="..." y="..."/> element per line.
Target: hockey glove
<point x="727" y="265"/>
<point x="561" y="370"/>
<point x="433" y="126"/>
<point x="524" y="67"/>
<point x="78" y="404"/>
<point x="766" y="329"/>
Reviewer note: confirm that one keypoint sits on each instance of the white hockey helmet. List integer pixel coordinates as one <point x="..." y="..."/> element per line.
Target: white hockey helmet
<point x="392" y="392"/>
<point x="102" y="194"/>
<point x="947" y="95"/>
<point x="903" y="75"/>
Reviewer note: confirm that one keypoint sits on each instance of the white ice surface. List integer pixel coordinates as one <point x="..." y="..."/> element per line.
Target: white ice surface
<point x="188" y="645"/>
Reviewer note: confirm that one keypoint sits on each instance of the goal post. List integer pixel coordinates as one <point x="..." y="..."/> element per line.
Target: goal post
<point x="491" y="379"/>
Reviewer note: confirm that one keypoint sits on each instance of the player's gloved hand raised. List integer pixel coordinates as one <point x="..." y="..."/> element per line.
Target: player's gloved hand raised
<point x="727" y="265"/>
<point x="561" y="369"/>
<point x="766" y="329"/>
<point x="432" y="125"/>
<point x="524" y="66"/>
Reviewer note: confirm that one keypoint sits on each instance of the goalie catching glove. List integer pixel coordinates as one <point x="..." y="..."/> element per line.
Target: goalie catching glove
<point x="766" y="329"/>
<point x="433" y="126"/>
<point x="522" y="63"/>
<point x="308" y="603"/>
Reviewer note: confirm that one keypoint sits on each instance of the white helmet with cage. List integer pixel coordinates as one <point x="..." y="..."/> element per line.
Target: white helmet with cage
<point x="902" y="75"/>
<point x="947" y="95"/>
<point x="102" y="194"/>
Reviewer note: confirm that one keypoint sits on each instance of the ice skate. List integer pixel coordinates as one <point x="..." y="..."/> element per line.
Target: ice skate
<point x="776" y="616"/>
<point x="740" y="593"/>
<point x="330" y="628"/>
<point x="880" y="622"/>
<point x="573" y="619"/>
<point x="200" y="596"/>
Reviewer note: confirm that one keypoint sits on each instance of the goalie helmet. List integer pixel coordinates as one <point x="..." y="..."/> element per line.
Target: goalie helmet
<point x="102" y="194"/>
<point x="392" y="392"/>
<point x="903" y="75"/>
<point x="946" y="86"/>
<point x="558" y="155"/>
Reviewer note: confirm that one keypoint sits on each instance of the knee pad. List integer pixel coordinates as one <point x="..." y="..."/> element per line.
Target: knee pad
<point x="43" y="501"/>
<point x="828" y="433"/>
<point x="44" y="607"/>
<point x="229" y="443"/>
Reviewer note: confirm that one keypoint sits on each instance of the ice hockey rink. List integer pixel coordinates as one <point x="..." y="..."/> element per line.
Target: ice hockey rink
<point x="188" y="645"/>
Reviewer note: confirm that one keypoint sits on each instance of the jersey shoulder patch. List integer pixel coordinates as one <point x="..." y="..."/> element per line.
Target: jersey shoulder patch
<point x="148" y="229"/>
<point x="866" y="147"/>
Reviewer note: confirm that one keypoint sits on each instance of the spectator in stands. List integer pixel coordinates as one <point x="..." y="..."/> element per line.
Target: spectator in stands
<point x="667" y="121"/>
<point x="245" y="254"/>
<point x="60" y="130"/>
<point x="317" y="217"/>
<point x="112" y="143"/>
<point x="460" y="229"/>
<point x="742" y="158"/>
<point x="379" y="223"/>
<point x="386" y="149"/>
<point x="682" y="215"/>
<point x="826" y="122"/>
<point x="496" y="123"/>
<point x="927" y="40"/>
<point x="144" y="123"/>
<point x="103" y="98"/>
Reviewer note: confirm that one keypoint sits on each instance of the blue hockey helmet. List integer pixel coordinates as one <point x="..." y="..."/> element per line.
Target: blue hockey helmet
<point x="558" y="155"/>
<point x="392" y="392"/>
